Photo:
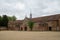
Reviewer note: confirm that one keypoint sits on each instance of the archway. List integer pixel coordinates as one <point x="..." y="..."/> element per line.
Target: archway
<point x="25" y="28"/>
<point x="50" y="28"/>
<point x="21" y="28"/>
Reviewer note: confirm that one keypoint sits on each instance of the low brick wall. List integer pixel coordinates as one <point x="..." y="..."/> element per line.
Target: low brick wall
<point x="3" y="28"/>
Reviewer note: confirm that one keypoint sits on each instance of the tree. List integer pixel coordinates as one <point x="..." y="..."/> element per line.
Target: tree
<point x="4" y="21"/>
<point x="13" y="18"/>
<point x="9" y="18"/>
<point x="30" y="24"/>
<point x="0" y="20"/>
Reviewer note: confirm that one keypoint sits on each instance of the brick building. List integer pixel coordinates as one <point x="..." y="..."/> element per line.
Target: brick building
<point x="46" y="23"/>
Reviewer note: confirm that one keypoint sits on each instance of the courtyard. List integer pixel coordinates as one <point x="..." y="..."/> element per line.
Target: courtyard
<point x="29" y="35"/>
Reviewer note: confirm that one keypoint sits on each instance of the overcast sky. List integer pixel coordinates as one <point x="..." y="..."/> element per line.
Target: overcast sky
<point x="38" y="8"/>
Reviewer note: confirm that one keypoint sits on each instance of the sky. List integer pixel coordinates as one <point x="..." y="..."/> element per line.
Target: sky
<point x="22" y="8"/>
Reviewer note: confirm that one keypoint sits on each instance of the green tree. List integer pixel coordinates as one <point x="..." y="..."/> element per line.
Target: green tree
<point x="0" y="20"/>
<point x="4" y="21"/>
<point x="9" y="18"/>
<point x="12" y="18"/>
<point x="30" y="24"/>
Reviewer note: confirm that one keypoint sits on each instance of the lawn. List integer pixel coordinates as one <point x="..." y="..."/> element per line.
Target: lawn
<point x="29" y="35"/>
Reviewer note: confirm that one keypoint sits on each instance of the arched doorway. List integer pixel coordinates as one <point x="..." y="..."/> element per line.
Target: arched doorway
<point x="50" y="28"/>
<point x="25" y="28"/>
<point x="21" y="28"/>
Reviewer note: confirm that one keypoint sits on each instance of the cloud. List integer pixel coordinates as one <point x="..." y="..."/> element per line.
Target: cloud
<point x="38" y="8"/>
<point x="20" y="6"/>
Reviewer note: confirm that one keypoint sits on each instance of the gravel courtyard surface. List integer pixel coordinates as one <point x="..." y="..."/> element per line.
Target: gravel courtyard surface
<point x="28" y="35"/>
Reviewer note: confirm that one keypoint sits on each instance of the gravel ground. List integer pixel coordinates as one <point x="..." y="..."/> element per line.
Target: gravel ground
<point x="29" y="35"/>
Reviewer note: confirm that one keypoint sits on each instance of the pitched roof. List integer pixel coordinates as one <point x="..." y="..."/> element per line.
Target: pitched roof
<point x="46" y="18"/>
<point x="40" y="19"/>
